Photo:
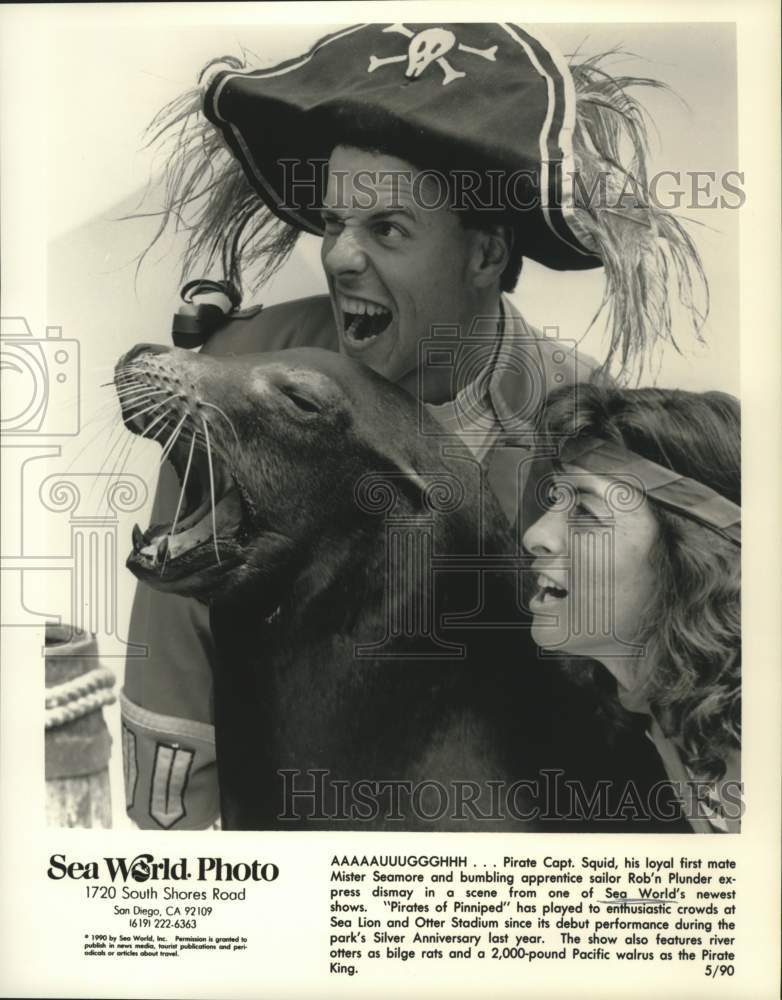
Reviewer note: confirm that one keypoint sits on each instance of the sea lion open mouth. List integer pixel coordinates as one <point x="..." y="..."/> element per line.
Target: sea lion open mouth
<point x="246" y="437"/>
<point x="212" y="518"/>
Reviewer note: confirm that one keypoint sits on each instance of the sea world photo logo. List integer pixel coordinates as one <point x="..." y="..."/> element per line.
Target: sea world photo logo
<point x="145" y="868"/>
<point x="142" y="868"/>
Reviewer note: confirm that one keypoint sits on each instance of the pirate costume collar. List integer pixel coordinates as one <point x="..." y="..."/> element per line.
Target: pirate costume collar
<point x="471" y="415"/>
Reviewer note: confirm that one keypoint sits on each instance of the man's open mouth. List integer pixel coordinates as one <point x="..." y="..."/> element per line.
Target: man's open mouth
<point x="210" y="518"/>
<point x="362" y="319"/>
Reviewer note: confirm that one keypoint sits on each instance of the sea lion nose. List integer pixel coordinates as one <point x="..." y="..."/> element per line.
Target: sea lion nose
<point x="140" y="349"/>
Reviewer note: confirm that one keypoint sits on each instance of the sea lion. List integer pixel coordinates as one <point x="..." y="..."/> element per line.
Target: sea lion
<point x="359" y="685"/>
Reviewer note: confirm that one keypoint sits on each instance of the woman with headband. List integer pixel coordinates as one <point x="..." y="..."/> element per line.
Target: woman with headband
<point x="637" y="563"/>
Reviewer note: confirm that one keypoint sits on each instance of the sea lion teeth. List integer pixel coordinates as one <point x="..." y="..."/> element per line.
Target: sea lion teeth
<point x="227" y="518"/>
<point x="196" y="515"/>
<point x="162" y="549"/>
<point x="138" y="538"/>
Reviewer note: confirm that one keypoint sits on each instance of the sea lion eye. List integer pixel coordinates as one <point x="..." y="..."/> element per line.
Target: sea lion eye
<point x="303" y="402"/>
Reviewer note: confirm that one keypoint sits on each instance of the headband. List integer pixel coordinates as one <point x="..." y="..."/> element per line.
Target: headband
<point x="665" y="486"/>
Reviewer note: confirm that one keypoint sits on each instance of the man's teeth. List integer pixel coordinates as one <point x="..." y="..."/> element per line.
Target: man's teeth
<point x="360" y="307"/>
<point x="363" y="320"/>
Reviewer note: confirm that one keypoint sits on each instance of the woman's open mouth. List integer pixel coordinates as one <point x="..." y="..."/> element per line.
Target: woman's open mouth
<point x="548" y="593"/>
<point x="362" y="319"/>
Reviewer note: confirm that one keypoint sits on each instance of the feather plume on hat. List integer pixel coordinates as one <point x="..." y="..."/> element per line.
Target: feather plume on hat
<point x="650" y="261"/>
<point x="646" y="252"/>
<point x="207" y="195"/>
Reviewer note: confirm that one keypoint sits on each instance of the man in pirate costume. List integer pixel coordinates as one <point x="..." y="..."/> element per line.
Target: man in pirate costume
<point x="431" y="160"/>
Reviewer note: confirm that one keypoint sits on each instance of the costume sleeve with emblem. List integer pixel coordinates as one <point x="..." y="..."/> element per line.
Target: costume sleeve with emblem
<point x="168" y="741"/>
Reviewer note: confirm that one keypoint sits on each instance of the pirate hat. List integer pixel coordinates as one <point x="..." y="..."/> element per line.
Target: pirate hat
<point x="483" y="97"/>
<point x="471" y="97"/>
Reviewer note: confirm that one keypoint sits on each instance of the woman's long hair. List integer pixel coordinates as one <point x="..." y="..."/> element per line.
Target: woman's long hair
<point x="692" y="630"/>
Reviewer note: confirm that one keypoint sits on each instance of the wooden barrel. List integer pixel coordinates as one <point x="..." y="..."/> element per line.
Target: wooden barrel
<point x="77" y="740"/>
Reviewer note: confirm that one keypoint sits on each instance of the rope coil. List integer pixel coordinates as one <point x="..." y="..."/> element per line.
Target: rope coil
<point x="79" y="696"/>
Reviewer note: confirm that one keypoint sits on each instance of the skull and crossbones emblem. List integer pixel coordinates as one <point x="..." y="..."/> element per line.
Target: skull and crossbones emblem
<point x="428" y="46"/>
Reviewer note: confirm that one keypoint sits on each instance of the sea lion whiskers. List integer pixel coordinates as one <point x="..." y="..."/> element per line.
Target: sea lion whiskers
<point x="203" y="402"/>
<point x="228" y="518"/>
<point x="101" y="424"/>
<point x="117" y="469"/>
<point x="124" y="377"/>
<point x="107" y="410"/>
<point x="126" y="387"/>
<point x="129" y="379"/>
<point x="211" y="488"/>
<point x="119" y="379"/>
<point x="162" y="416"/>
<point x="138" y="392"/>
<point x="125" y="402"/>
<point x="181" y="497"/>
<point x="149" y="409"/>
<point x="163" y="427"/>
<point x="128" y="373"/>
<point x="172" y="440"/>
<point x="113" y="446"/>
<point x="161" y="399"/>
